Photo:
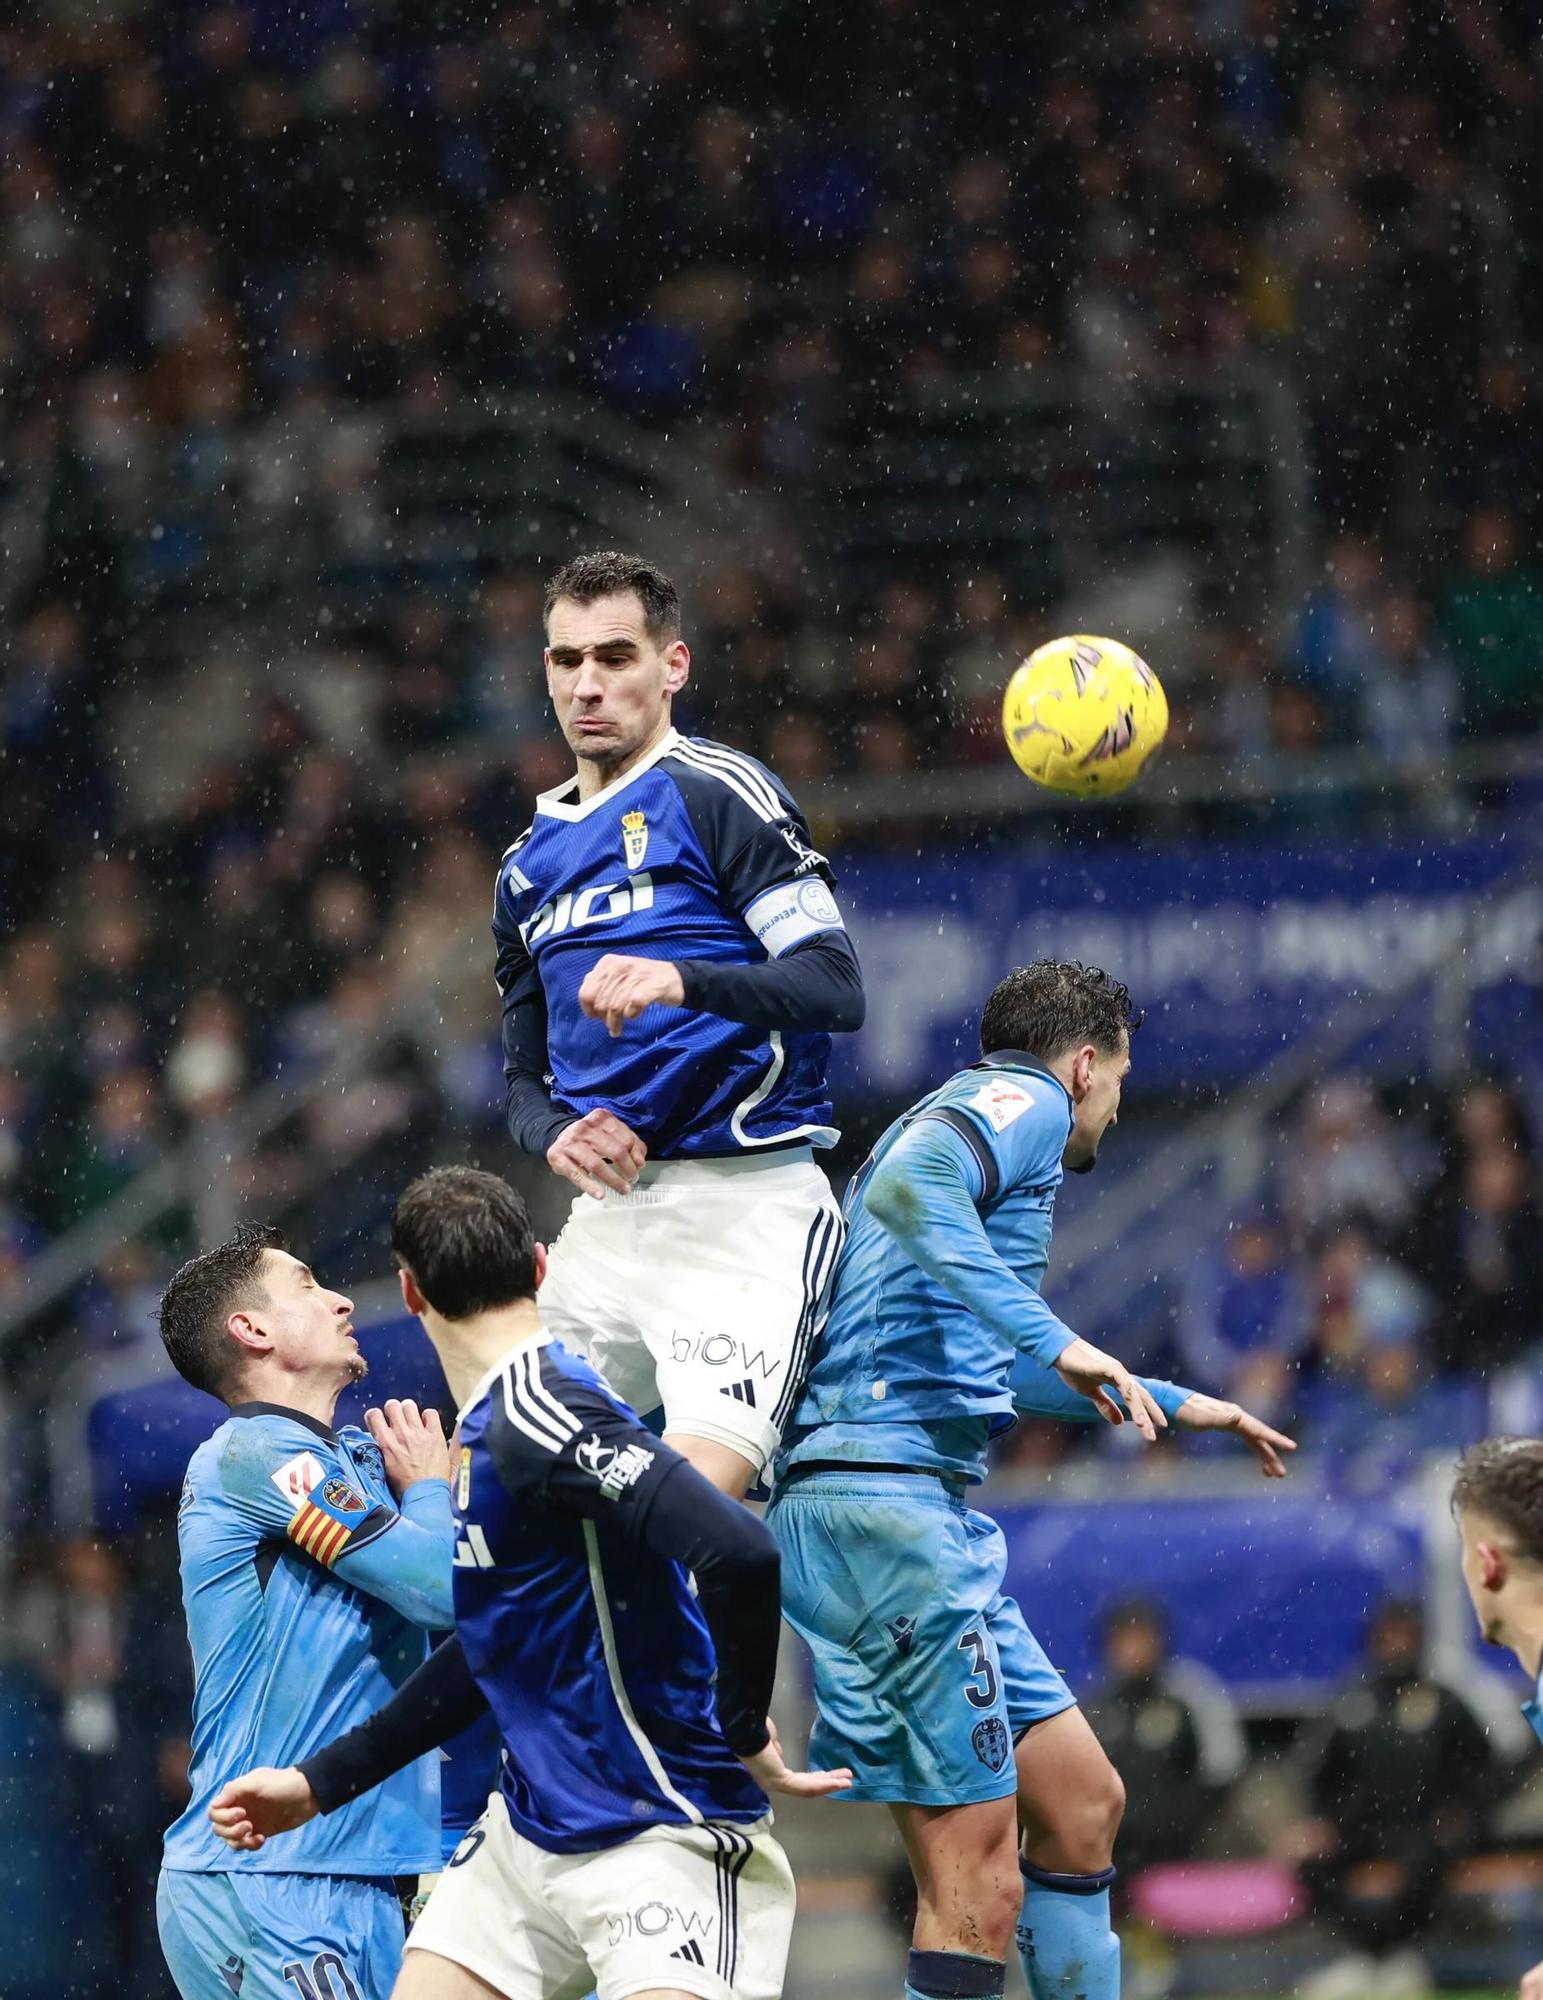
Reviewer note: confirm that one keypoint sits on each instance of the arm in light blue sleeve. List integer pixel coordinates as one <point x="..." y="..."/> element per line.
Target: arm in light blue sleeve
<point x="409" y="1563"/>
<point x="924" y="1194"/>
<point x="1040" y="1392"/>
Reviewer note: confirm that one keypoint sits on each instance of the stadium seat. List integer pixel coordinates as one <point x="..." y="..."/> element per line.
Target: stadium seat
<point x="1207" y="1899"/>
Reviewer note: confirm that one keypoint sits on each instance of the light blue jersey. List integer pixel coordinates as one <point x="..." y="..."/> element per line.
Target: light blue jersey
<point x="309" y="1595"/>
<point x="937" y="1334"/>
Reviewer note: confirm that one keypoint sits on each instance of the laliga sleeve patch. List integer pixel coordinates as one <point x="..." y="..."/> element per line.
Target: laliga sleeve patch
<point x="785" y="916"/>
<point x="298" y="1475"/>
<point x="1001" y="1101"/>
<point x="327" y="1518"/>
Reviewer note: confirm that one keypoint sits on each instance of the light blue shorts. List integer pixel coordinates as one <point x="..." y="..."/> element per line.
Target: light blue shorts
<point x="925" y="1674"/>
<point x="255" y="1936"/>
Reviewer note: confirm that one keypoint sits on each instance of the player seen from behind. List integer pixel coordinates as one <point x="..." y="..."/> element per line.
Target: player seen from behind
<point x="314" y="1560"/>
<point x="1497" y="1498"/>
<point x="928" y="1681"/>
<point x="673" y="964"/>
<point x="628" y="1841"/>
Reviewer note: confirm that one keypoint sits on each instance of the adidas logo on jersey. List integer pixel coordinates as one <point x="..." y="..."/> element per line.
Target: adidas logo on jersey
<point x="691" y="1951"/>
<point x="742" y="1392"/>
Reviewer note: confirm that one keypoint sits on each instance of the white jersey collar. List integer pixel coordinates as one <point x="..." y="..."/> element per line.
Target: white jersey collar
<point x="563" y="802"/>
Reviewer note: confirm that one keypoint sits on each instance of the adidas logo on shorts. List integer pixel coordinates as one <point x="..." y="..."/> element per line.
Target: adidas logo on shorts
<point x="691" y="1951"/>
<point x="742" y="1392"/>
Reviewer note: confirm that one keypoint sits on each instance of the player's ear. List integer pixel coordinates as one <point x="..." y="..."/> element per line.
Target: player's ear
<point x="244" y="1330"/>
<point x="412" y="1298"/>
<point x="1492" y="1573"/>
<point x="540" y="1265"/>
<point x="677" y="661"/>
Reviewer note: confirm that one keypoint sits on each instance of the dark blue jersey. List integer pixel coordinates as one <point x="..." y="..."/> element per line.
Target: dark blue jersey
<point x="587" y="1643"/>
<point x="699" y="857"/>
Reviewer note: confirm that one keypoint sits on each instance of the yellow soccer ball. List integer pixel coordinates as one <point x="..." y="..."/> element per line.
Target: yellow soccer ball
<point x="1083" y="715"/>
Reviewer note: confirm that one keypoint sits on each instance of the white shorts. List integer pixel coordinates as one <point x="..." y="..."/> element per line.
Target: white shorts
<point x="701" y="1290"/>
<point x="704" y="1909"/>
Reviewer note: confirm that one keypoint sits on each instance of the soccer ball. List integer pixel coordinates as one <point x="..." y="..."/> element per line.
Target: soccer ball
<point x="1083" y="715"/>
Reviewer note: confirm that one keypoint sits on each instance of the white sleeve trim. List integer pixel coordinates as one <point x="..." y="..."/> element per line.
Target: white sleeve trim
<point x="785" y="916"/>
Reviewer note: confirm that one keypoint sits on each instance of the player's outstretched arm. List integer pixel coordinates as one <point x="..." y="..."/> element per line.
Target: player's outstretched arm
<point x="437" y="1702"/>
<point x="1040" y="1392"/>
<point x="1209" y="1413"/>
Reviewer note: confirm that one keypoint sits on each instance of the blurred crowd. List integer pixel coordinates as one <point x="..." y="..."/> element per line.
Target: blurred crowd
<point x="233" y="223"/>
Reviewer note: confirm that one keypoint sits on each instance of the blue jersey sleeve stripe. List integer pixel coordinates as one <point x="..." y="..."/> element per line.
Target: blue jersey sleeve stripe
<point x="560" y="1414"/>
<point x="685" y="752"/>
<point x="528" y="1420"/>
<point x="958" y="1121"/>
<point x="748" y="772"/>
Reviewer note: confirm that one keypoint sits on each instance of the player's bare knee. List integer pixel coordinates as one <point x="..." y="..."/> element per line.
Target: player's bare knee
<point x="1075" y="1833"/>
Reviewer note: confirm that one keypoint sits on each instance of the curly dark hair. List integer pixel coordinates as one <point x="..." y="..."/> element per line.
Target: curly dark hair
<point x="1503" y="1480"/>
<point x="1053" y="1005"/>
<point x="609" y="573"/>
<point x="202" y="1297"/>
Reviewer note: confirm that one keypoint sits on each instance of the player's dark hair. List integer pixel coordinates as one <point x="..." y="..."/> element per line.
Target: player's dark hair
<point x="609" y="573"/>
<point x="202" y="1297"/>
<point x="467" y="1239"/>
<point x="1502" y="1479"/>
<point x="1053" y="1005"/>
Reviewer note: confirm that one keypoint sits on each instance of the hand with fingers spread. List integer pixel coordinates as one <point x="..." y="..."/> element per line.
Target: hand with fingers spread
<point x="1092" y="1373"/>
<point x="616" y="988"/>
<point x="597" y="1152"/>
<point x="412" y="1443"/>
<point x="1209" y="1413"/>
<point x="262" y="1802"/>
<point x="774" y="1777"/>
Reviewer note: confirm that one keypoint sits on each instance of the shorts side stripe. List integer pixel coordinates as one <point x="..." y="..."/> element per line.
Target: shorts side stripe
<point x="821" y="1247"/>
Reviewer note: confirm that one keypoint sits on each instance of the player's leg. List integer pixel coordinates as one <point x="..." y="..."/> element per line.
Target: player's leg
<point x="889" y="1582"/>
<point x="705" y="1911"/>
<point x="964" y="1861"/>
<point x="1069" y="1803"/>
<point x="588" y="1297"/>
<point x="488" y="1926"/>
<point x="731" y="1290"/>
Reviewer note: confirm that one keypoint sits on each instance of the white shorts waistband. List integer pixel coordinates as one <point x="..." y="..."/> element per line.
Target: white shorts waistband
<point x="664" y="1176"/>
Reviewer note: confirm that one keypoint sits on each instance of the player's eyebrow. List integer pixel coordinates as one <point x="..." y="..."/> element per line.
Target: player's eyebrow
<point x="570" y="655"/>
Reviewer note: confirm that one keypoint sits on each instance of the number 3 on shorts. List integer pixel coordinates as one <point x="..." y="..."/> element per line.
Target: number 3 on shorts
<point x="982" y="1668"/>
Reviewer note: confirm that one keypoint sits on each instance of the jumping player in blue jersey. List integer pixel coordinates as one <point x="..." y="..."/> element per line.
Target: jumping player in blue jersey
<point x="314" y="1562"/>
<point x="619" y="1615"/>
<point x="673" y="964"/>
<point x="928" y="1682"/>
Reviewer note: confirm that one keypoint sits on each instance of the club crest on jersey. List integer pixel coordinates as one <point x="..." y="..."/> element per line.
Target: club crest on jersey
<point x="634" y="837"/>
<point x="463" y="1481"/>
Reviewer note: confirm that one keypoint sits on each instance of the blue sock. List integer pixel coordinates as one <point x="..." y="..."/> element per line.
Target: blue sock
<point x="953" y="1975"/>
<point x="1069" y="1949"/>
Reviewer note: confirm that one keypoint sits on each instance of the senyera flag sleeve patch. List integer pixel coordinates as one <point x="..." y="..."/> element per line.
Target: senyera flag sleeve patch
<point x="332" y="1516"/>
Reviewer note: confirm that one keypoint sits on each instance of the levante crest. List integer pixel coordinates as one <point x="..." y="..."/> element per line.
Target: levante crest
<point x="634" y="837"/>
